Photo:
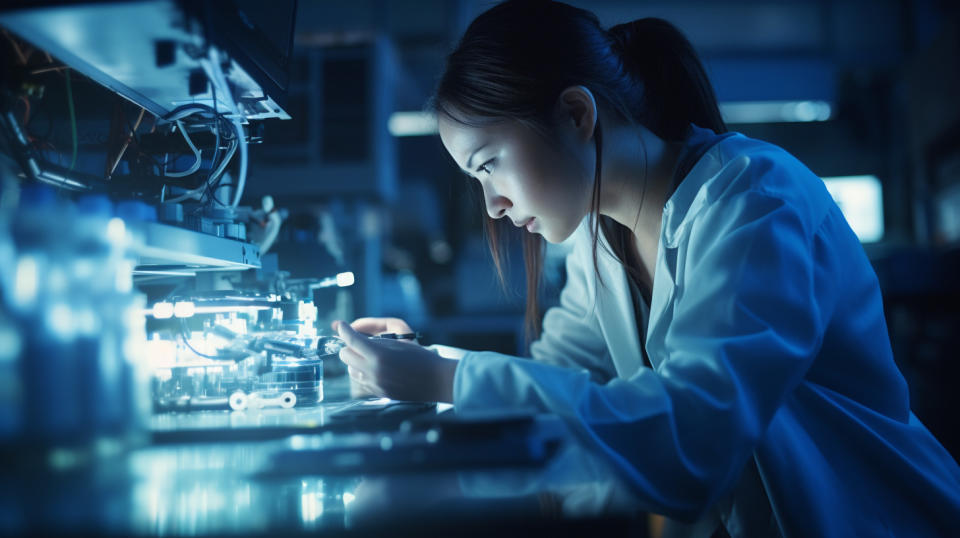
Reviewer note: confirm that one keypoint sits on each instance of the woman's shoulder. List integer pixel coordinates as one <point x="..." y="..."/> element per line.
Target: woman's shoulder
<point x="746" y="163"/>
<point x="738" y="164"/>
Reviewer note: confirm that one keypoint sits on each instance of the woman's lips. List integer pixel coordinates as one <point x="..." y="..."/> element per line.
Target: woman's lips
<point x="525" y="224"/>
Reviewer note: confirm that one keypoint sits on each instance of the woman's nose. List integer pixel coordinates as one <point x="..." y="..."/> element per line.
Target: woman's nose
<point x="497" y="205"/>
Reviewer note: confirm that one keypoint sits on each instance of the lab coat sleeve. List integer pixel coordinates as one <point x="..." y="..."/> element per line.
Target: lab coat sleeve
<point x="571" y="334"/>
<point x="746" y="325"/>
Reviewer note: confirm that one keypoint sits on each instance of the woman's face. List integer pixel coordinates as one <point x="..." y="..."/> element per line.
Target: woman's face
<point x="543" y="187"/>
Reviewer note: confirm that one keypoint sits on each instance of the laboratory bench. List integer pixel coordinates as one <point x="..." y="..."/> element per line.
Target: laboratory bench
<point x="343" y="467"/>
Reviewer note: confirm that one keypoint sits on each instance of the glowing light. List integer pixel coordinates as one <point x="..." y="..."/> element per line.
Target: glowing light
<point x="412" y="124"/>
<point x="184" y="309"/>
<point x="160" y="353"/>
<point x="225" y="309"/>
<point x="345" y="279"/>
<point x="25" y="287"/>
<point x="775" y="111"/>
<point x="60" y="321"/>
<point x="123" y="282"/>
<point x="163" y="310"/>
<point x="116" y="230"/>
<point x="861" y="201"/>
<point x="135" y="317"/>
<point x="311" y="502"/>
<point x="307" y="312"/>
<point x="348" y="498"/>
<point x="235" y="324"/>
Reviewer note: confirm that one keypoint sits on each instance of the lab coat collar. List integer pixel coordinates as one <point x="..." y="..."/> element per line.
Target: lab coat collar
<point x="690" y="198"/>
<point x="618" y="321"/>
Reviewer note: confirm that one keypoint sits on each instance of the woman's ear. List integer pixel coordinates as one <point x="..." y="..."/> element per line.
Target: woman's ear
<point x="576" y="107"/>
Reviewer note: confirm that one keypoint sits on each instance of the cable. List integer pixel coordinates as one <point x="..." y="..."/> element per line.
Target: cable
<point x="218" y="186"/>
<point x="226" y="160"/>
<point x="188" y="109"/>
<point x="193" y="193"/>
<point x="73" y="119"/>
<point x="211" y="176"/>
<point x="215" y="73"/>
<point x="216" y="125"/>
<point x="216" y="170"/>
<point x="196" y="153"/>
<point x="242" y="179"/>
<point x="183" y="336"/>
<point x="26" y="113"/>
<point x="126" y="142"/>
<point x="174" y="117"/>
<point x="184" y="332"/>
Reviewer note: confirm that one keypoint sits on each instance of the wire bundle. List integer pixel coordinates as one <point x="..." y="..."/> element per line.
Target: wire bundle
<point x="217" y="169"/>
<point x="212" y="66"/>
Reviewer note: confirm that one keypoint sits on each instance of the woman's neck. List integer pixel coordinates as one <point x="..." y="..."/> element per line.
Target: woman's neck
<point x="637" y="180"/>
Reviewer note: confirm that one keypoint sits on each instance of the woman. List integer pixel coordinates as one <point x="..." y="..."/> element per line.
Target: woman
<point x="721" y="335"/>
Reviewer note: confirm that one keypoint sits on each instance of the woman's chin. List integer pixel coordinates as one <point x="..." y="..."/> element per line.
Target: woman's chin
<point x="551" y="237"/>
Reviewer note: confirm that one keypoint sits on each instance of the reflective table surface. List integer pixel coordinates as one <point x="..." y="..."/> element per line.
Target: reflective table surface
<point x="343" y="467"/>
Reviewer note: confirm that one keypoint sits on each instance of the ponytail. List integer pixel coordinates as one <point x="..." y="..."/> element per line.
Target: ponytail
<point x="677" y="91"/>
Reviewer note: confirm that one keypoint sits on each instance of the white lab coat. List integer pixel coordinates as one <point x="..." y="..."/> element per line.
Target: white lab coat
<point x="774" y="400"/>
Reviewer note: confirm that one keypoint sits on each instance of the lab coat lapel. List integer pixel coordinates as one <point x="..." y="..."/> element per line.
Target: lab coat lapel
<point x="688" y="200"/>
<point x="616" y="317"/>
<point x="661" y="303"/>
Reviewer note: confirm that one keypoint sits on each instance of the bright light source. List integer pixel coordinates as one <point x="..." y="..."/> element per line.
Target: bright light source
<point x="163" y="310"/>
<point x="60" y="321"/>
<point x="306" y="311"/>
<point x="311" y="507"/>
<point x="123" y="279"/>
<point x="25" y="281"/>
<point x="226" y="309"/>
<point x="184" y="309"/>
<point x="412" y="124"/>
<point x="116" y="230"/>
<point x="775" y="111"/>
<point x="861" y="200"/>
<point x="345" y="279"/>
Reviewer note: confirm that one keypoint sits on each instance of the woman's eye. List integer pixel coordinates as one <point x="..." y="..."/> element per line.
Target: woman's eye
<point x="486" y="167"/>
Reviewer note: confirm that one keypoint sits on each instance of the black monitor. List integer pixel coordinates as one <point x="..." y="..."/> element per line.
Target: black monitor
<point x="257" y="34"/>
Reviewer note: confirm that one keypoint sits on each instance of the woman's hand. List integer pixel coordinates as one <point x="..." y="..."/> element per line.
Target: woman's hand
<point x="396" y="369"/>
<point x="375" y="326"/>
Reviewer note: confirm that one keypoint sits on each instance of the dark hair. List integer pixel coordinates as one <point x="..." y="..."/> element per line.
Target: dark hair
<point x="515" y="59"/>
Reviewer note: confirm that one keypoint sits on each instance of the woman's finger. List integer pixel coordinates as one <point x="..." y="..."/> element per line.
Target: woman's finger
<point x="359" y="390"/>
<point x="370" y="325"/>
<point x="352" y="358"/>
<point x="356" y="374"/>
<point x="356" y="340"/>
<point x="362" y="384"/>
